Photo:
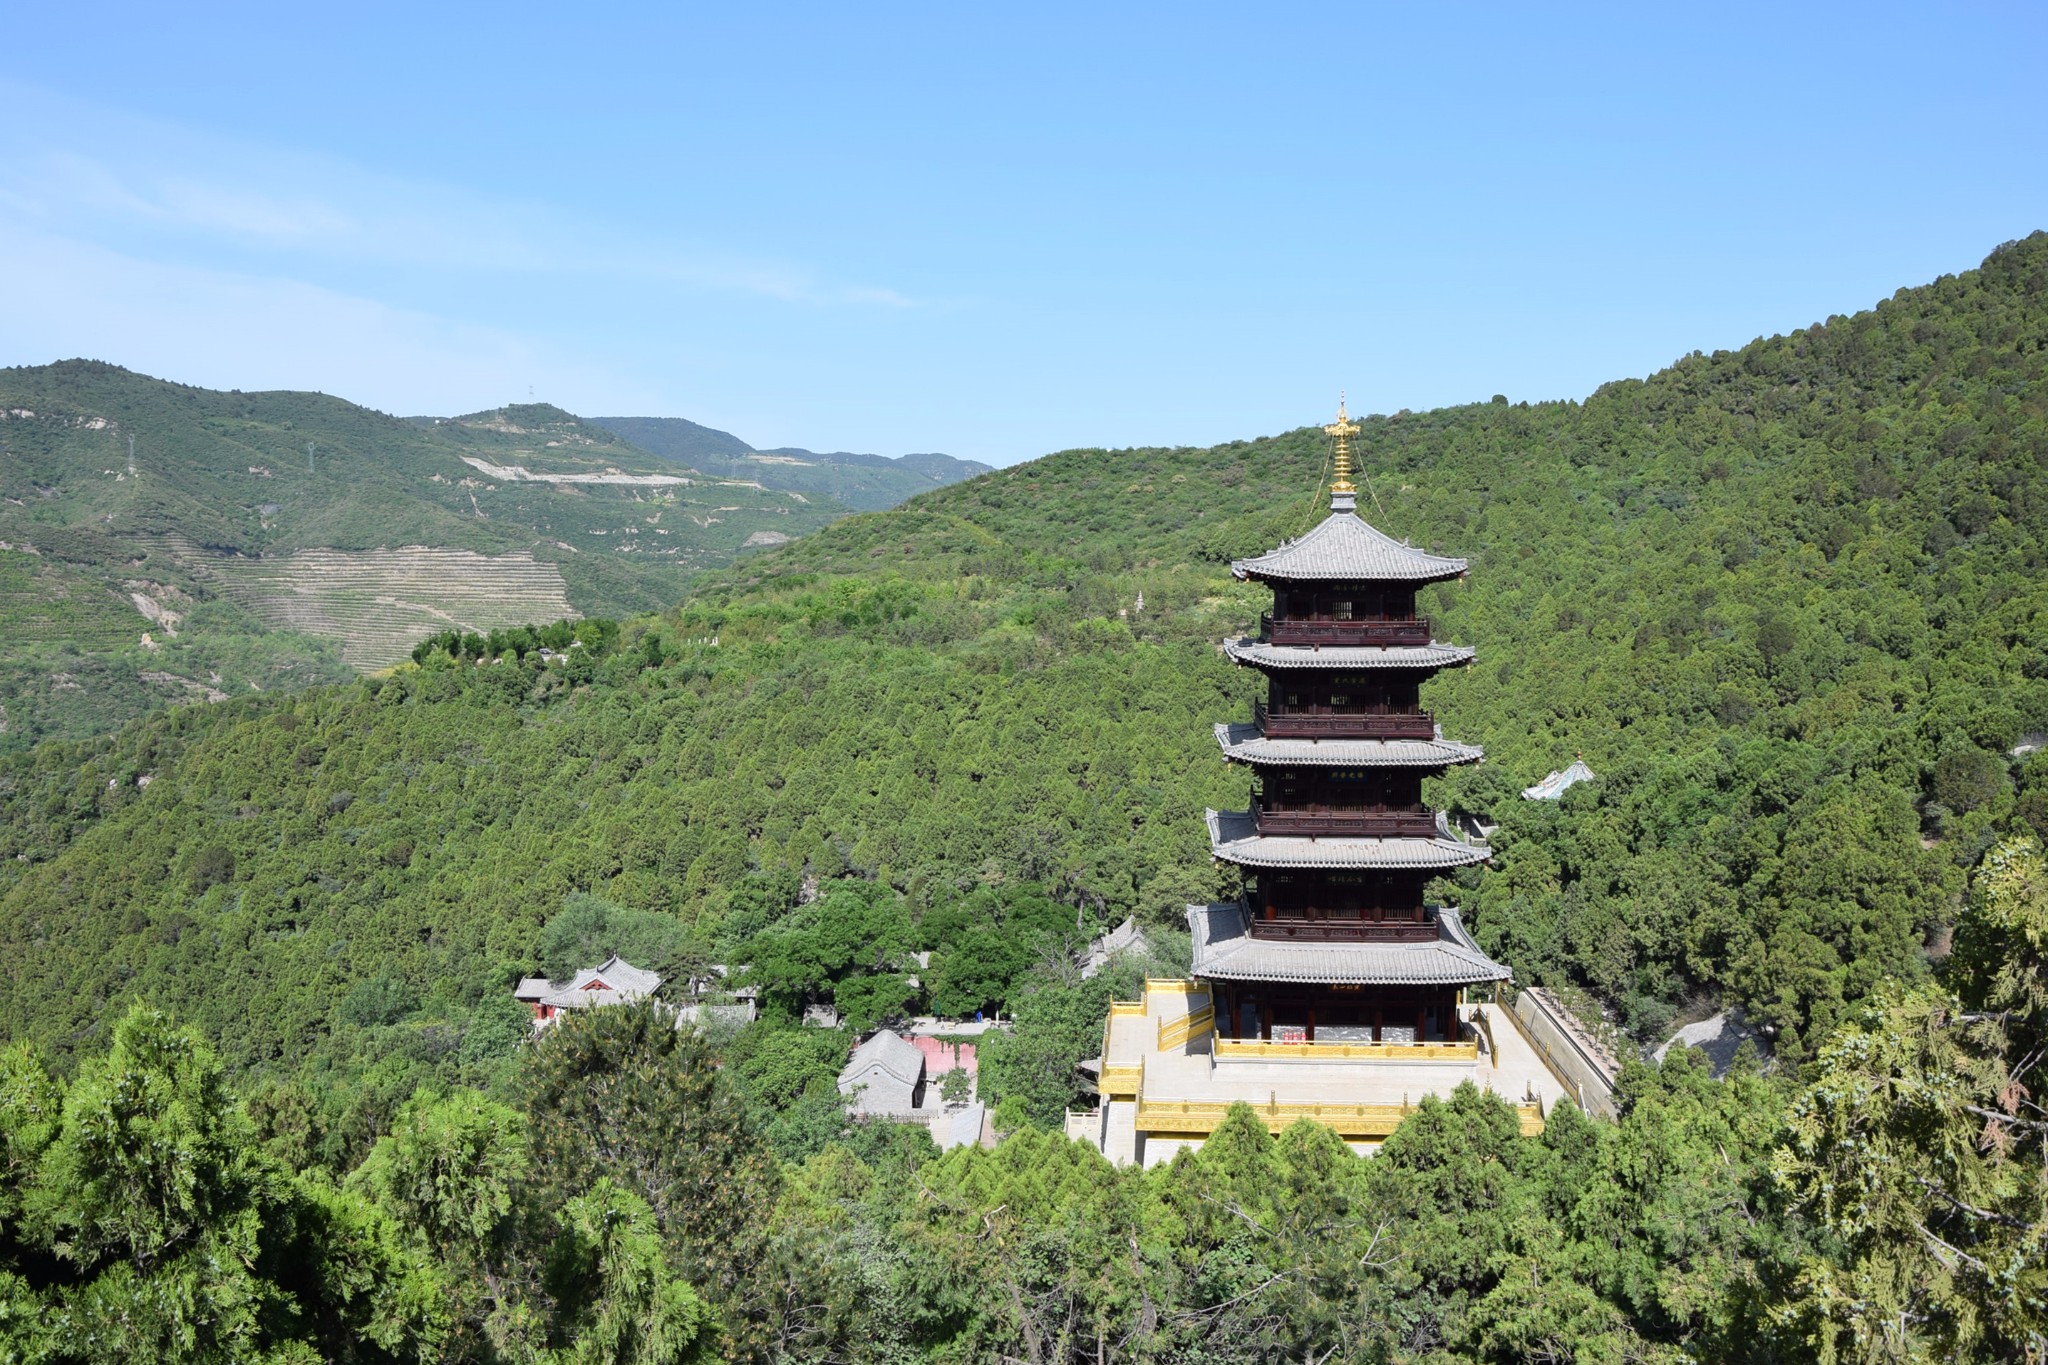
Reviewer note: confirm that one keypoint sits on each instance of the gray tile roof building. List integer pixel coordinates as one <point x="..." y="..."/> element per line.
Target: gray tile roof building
<point x="1259" y="654"/>
<point x="892" y="1053"/>
<point x="1243" y="743"/>
<point x="614" y="982"/>
<point x="1234" y="839"/>
<point x="1224" y="951"/>
<point x="885" y="1075"/>
<point x="1125" y="938"/>
<point x="1345" y="549"/>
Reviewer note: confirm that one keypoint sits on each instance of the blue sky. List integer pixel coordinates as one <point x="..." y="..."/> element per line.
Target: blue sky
<point x="990" y="232"/>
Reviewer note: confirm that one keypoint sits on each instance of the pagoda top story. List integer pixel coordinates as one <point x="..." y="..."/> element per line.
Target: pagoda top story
<point x="1344" y="548"/>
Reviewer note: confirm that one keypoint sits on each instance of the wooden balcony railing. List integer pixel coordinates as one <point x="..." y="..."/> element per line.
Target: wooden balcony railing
<point x="1359" y="724"/>
<point x="1254" y="1050"/>
<point x="1339" y="824"/>
<point x="1347" y="928"/>
<point x="1295" y="631"/>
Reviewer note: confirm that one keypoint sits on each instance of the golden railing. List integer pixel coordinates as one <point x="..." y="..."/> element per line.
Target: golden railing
<point x="1195" y="1024"/>
<point x="1124" y="1077"/>
<point x="1121" y="1082"/>
<point x="1484" y="1024"/>
<point x="1359" y="1122"/>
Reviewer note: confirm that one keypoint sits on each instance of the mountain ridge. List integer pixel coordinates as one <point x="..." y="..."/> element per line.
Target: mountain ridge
<point x="888" y="481"/>
<point x="268" y="539"/>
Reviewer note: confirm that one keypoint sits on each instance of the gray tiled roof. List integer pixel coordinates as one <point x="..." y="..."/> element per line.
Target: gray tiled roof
<point x="888" y="1050"/>
<point x="1242" y="743"/>
<point x="1259" y="654"/>
<point x="1555" y="785"/>
<point x="616" y="982"/>
<point x="1224" y="951"/>
<point x="1233" y="838"/>
<point x="1344" y="548"/>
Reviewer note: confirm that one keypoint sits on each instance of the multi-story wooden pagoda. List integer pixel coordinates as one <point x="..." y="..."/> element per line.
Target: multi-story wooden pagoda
<point x="1332" y="941"/>
<point x="1331" y="990"/>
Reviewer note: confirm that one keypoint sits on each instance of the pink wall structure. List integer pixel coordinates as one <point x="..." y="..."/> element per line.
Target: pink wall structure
<point x="941" y="1057"/>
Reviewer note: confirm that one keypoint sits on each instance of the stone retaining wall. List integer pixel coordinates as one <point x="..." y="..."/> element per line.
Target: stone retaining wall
<point x="1570" y="1051"/>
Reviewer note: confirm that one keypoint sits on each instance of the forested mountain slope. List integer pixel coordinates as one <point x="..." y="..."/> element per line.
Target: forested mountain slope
<point x="676" y="438"/>
<point x="1787" y="600"/>
<point x="268" y="540"/>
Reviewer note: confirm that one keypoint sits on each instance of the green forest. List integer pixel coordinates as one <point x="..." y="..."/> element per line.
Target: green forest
<point x="270" y="1096"/>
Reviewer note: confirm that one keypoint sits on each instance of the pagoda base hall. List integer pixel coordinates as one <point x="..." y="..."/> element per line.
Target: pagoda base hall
<point x="1168" y="1077"/>
<point x="1332" y="990"/>
<point x="1306" y="1012"/>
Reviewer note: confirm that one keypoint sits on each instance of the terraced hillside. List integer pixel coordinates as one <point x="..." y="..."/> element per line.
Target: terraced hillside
<point x="379" y="603"/>
<point x="43" y="605"/>
<point x="156" y="537"/>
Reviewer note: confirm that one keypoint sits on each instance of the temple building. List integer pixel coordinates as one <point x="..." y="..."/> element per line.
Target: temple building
<point x="1331" y="989"/>
<point x="615" y="981"/>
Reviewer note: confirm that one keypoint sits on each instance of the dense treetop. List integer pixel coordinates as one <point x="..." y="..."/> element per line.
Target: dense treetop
<point x="623" y="1203"/>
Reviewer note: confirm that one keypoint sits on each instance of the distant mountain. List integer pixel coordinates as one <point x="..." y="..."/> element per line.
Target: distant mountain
<point x="674" y="438"/>
<point x="264" y="540"/>
<point x="869" y="483"/>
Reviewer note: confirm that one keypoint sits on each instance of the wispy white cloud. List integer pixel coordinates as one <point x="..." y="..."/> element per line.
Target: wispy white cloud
<point x="231" y="329"/>
<point x="91" y="174"/>
<point x="888" y="298"/>
<point x="60" y="184"/>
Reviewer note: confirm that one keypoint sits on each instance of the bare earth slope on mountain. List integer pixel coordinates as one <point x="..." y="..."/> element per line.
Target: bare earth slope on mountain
<point x="194" y="539"/>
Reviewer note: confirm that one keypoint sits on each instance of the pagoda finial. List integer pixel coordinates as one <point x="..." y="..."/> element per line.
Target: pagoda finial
<point x="1343" y="495"/>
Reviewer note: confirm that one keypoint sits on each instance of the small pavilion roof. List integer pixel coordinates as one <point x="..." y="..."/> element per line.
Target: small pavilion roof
<point x="1243" y="743"/>
<point x="1235" y="839"/>
<point x="615" y="982"/>
<point x="889" y="1050"/>
<point x="1555" y="785"/>
<point x="1345" y="549"/>
<point x="1259" y="654"/>
<point x="1224" y="951"/>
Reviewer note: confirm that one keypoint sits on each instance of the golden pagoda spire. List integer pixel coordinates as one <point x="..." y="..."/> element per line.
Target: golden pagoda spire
<point x="1341" y="489"/>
